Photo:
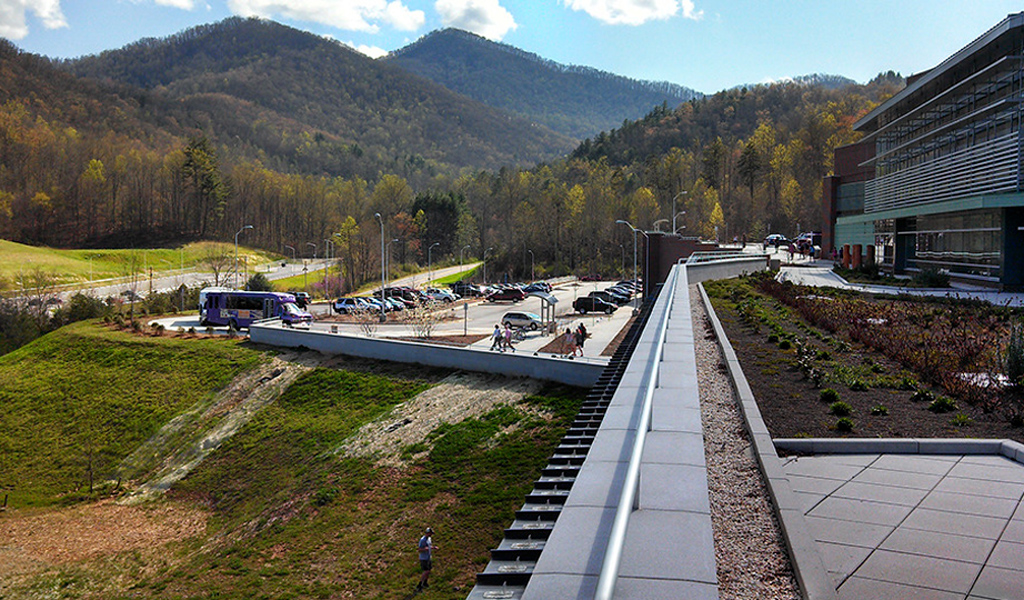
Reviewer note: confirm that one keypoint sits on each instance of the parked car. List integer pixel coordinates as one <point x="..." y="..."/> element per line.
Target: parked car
<point x="395" y="304"/>
<point x="347" y="306"/>
<point x="609" y="297"/>
<point x="301" y="299"/>
<point x="538" y="286"/>
<point x="466" y="290"/>
<point x="522" y="320"/>
<point x="807" y="241"/>
<point x="585" y="304"/>
<point x="776" y="240"/>
<point x="439" y="295"/>
<point x="507" y="295"/>
<point x="622" y="290"/>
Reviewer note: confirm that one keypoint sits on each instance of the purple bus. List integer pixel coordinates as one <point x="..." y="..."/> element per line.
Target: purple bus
<point x="238" y="309"/>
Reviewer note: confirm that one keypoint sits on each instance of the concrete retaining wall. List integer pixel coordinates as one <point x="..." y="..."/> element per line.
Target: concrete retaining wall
<point x="579" y="372"/>
<point x="724" y="269"/>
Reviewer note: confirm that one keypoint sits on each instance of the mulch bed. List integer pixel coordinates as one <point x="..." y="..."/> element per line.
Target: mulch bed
<point x="447" y="340"/>
<point x="791" y="406"/>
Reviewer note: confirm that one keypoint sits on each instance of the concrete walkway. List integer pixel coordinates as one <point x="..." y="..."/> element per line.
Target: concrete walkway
<point x="915" y="525"/>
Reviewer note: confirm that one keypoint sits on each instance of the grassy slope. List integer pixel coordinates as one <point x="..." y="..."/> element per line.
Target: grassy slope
<point x="18" y="262"/>
<point x="298" y="521"/>
<point x="85" y="390"/>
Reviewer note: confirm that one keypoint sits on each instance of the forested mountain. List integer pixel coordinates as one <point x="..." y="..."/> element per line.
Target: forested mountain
<point x="576" y="101"/>
<point x="364" y="116"/>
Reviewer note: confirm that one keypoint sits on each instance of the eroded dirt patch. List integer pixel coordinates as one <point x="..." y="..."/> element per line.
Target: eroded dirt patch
<point x="36" y="541"/>
<point x="458" y="397"/>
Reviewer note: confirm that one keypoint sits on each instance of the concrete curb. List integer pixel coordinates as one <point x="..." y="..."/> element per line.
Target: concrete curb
<point x="1007" y="448"/>
<point x="815" y="582"/>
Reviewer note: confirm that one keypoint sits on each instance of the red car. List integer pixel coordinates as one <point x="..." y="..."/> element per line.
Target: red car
<point x="507" y="295"/>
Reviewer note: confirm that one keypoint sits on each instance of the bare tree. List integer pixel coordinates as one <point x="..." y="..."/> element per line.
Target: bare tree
<point x="220" y="263"/>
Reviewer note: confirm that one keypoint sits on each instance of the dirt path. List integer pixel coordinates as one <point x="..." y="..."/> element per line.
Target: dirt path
<point x="458" y="397"/>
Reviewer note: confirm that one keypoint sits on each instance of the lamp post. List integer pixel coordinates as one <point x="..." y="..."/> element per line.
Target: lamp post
<point x="389" y="256"/>
<point x="430" y="272"/>
<point x="674" y="228"/>
<point x="533" y="276"/>
<point x="314" y="249"/>
<point x="236" y="251"/>
<point x="674" y="214"/>
<point x="460" y="259"/>
<point x="292" y="248"/>
<point x="622" y="261"/>
<point x="382" y="284"/>
<point x="485" y="263"/>
<point x="657" y="224"/>
<point x="635" y="230"/>
<point x="328" y="249"/>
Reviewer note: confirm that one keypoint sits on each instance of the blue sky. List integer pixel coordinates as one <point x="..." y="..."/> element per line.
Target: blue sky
<point x="703" y="44"/>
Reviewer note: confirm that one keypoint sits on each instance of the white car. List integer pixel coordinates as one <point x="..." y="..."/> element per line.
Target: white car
<point x="439" y="295"/>
<point x="522" y="320"/>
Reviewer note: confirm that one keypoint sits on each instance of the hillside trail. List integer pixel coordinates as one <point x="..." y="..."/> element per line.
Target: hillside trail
<point x="185" y="441"/>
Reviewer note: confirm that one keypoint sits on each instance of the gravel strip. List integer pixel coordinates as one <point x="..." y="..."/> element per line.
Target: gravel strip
<point x="751" y="556"/>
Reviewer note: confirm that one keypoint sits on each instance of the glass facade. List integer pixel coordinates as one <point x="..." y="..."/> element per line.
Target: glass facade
<point x="966" y="243"/>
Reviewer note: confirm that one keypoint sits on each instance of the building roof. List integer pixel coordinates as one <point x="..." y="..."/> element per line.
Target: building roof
<point x="915" y="83"/>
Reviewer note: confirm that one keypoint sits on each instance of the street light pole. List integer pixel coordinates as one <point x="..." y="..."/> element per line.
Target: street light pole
<point x="674" y="228"/>
<point x="674" y="215"/>
<point x="657" y="224"/>
<point x="533" y="276"/>
<point x="460" y="259"/>
<point x="430" y="271"/>
<point x="485" y="263"/>
<point x="382" y="283"/>
<point x="635" y="278"/>
<point x="236" y="251"/>
<point x="293" y="251"/>
<point x="389" y="258"/>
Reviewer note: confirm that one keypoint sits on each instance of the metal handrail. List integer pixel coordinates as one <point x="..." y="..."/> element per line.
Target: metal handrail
<point x="699" y="257"/>
<point x="630" y="486"/>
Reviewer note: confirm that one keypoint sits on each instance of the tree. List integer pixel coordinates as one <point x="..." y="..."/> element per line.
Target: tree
<point x="259" y="283"/>
<point x="202" y="176"/>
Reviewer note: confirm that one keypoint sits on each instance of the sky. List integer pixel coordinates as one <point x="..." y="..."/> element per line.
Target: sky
<point x="707" y="45"/>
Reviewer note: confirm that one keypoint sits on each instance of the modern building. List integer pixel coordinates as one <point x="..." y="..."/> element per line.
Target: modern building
<point x="936" y="182"/>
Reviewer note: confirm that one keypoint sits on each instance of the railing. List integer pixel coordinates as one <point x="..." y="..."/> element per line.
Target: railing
<point x="713" y="255"/>
<point x="629" y="497"/>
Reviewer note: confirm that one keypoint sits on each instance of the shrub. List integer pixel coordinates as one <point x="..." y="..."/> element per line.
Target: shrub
<point x="259" y="283"/>
<point x="879" y="410"/>
<point x="829" y="395"/>
<point x="858" y="386"/>
<point x="325" y="496"/>
<point x="962" y="420"/>
<point x="932" y="278"/>
<point x="784" y="345"/>
<point x="840" y="409"/>
<point x="845" y="425"/>
<point x="922" y="396"/>
<point x="824" y="355"/>
<point x="773" y="339"/>
<point x="1013" y="359"/>
<point x="942" y="404"/>
<point x="1017" y="420"/>
<point x="907" y="384"/>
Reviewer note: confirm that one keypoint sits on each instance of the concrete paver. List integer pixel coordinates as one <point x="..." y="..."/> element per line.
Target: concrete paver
<point x="916" y="526"/>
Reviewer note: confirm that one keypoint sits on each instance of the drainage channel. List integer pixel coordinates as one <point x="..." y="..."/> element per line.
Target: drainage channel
<point x="512" y="562"/>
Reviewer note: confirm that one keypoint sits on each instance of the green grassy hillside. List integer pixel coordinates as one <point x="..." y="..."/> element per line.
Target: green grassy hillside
<point x="20" y="263"/>
<point x="85" y="397"/>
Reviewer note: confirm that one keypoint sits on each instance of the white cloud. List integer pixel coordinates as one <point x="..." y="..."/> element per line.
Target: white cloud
<point x="350" y="15"/>
<point x="483" y="17"/>
<point x="635" y="12"/>
<point x="182" y="4"/>
<point x="12" y="16"/>
<point x="371" y="51"/>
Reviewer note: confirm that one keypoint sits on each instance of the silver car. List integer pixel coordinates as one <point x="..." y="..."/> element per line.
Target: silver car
<point x="522" y="320"/>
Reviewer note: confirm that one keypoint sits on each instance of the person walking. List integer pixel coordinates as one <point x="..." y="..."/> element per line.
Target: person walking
<point x="581" y="337"/>
<point x="508" y="338"/>
<point x="496" y="338"/>
<point x="426" y="549"/>
<point x="570" y="343"/>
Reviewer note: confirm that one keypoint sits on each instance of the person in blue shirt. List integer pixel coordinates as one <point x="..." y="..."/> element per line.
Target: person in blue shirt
<point x="426" y="548"/>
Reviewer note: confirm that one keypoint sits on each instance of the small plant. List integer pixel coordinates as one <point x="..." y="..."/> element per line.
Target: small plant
<point x="858" y="386"/>
<point x="1013" y="359"/>
<point x="773" y="339"/>
<point x="879" y="410"/>
<point x="942" y="404"/>
<point x="325" y="496"/>
<point x="1017" y="420"/>
<point x="932" y="278"/>
<point x="922" y="396"/>
<point x="785" y="345"/>
<point x="962" y="420"/>
<point x="824" y="355"/>
<point x="907" y="384"/>
<point x="840" y="409"/>
<point x="844" y="425"/>
<point x="829" y="395"/>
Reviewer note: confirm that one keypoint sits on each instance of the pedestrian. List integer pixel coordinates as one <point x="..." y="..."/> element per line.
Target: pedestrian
<point x="426" y="549"/>
<point x="581" y="337"/>
<point x="496" y="338"/>
<point x="508" y="338"/>
<point x="570" y="343"/>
